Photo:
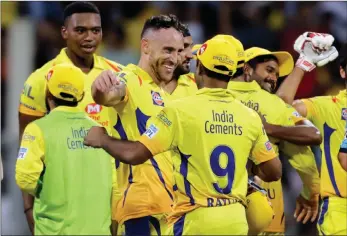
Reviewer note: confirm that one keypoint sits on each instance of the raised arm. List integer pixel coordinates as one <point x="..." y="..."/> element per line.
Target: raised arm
<point x="315" y="50"/>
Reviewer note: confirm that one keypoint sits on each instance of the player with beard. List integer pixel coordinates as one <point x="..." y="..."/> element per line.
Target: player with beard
<point x="254" y="87"/>
<point x="83" y="33"/>
<point x="183" y="68"/>
<point x="137" y="93"/>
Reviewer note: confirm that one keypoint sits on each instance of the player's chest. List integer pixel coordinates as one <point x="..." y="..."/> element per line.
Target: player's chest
<point x="151" y="99"/>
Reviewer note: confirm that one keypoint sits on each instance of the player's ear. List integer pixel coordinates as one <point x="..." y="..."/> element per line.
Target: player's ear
<point x="63" y="32"/>
<point x="342" y="73"/>
<point x="145" y="46"/>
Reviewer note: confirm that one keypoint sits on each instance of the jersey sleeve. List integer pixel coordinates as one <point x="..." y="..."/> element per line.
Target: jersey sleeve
<point x="343" y="147"/>
<point x="32" y="99"/>
<point x="30" y="159"/>
<point x="262" y="149"/>
<point x="292" y="115"/>
<point x="161" y="133"/>
<point x="310" y="108"/>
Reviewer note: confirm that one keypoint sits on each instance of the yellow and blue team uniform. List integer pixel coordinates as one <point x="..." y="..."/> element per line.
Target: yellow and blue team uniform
<point x="329" y="114"/>
<point x="343" y="147"/>
<point x="32" y="100"/>
<point x="147" y="189"/>
<point x="300" y="157"/>
<point x="213" y="136"/>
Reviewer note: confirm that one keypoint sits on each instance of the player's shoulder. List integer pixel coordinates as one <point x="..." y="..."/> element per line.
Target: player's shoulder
<point x="242" y="109"/>
<point x="39" y="75"/>
<point x="188" y="79"/>
<point x="109" y="64"/>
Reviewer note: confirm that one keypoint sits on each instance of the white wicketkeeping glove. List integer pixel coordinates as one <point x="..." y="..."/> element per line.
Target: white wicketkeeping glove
<point x="315" y="49"/>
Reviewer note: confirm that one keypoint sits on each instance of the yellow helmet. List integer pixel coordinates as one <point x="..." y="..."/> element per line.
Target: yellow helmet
<point x="259" y="212"/>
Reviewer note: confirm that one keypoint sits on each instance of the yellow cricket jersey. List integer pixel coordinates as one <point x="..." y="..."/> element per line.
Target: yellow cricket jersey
<point x="329" y="114"/>
<point x="148" y="188"/>
<point x="213" y="135"/>
<point x="277" y="112"/>
<point x="32" y="100"/>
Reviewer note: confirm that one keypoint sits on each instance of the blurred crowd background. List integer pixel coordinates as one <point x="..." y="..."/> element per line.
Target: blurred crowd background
<point x="30" y="36"/>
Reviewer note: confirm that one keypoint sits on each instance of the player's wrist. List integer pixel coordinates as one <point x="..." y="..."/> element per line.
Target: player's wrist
<point x="305" y="63"/>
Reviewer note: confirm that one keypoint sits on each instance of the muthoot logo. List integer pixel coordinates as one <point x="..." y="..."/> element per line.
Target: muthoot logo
<point x="224" y="59"/>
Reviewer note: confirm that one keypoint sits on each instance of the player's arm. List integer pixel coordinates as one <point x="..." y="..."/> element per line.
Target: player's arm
<point x="302" y="159"/>
<point x="342" y="156"/>
<point x="303" y="133"/>
<point x="158" y="138"/>
<point x="32" y="107"/>
<point x="267" y="166"/>
<point x="290" y="85"/>
<point x="108" y="89"/>
<point x="30" y="159"/>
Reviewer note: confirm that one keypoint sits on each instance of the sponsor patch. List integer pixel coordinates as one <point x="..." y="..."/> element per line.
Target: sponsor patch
<point x="22" y="153"/>
<point x="268" y="145"/>
<point x="93" y="108"/>
<point x="28" y="137"/>
<point x="157" y="99"/>
<point x="163" y="118"/>
<point x="344" y="114"/>
<point x="151" y="131"/>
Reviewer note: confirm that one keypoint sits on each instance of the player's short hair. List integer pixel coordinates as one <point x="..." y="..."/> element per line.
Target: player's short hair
<point x="343" y="56"/>
<point x="79" y="7"/>
<point x="215" y="75"/>
<point x="59" y="102"/>
<point x="161" y="22"/>
<point x="239" y="71"/>
<point x="185" y="30"/>
<point x="261" y="59"/>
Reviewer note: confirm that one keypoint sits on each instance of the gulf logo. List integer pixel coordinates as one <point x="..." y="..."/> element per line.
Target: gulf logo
<point x="157" y="99"/>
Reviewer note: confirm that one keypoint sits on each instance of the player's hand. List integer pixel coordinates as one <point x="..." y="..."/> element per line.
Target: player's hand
<point x="306" y="209"/>
<point x="107" y="81"/>
<point x="315" y="49"/>
<point x="95" y="137"/>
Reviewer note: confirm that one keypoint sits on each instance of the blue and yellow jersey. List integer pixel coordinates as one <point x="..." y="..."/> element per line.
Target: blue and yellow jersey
<point x="32" y="100"/>
<point x="148" y="188"/>
<point x="329" y="114"/>
<point x="301" y="158"/>
<point x="343" y="147"/>
<point x="212" y="135"/>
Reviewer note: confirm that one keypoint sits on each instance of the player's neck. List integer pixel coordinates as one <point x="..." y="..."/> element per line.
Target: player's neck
<point x="239" y="79"/>
<point x="215" y="83"/>
<point x="144" y="65"/>
<point x="85" y="64"/>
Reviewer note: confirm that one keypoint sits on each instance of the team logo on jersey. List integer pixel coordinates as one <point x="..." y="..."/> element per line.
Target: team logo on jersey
<point x="49" y="75"/>
<point x="157" y="99"/>
<point x="22" y="153"/>
<point x="202" y="49"/>
<point x="151" y="131"/>
<point x="344" y="114"/>
<point x="93" y="108"/>
<point x="268" y="145"/>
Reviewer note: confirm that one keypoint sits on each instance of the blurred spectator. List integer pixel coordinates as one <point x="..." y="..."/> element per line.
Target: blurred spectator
<point x="114" y="46"/>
